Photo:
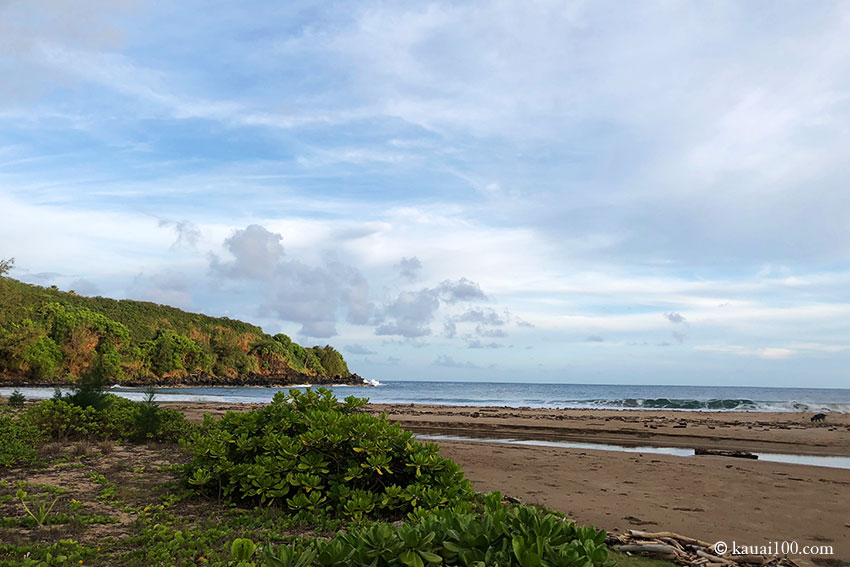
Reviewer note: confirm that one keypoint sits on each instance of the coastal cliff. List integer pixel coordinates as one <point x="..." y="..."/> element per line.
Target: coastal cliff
<point x="53" y="338"/>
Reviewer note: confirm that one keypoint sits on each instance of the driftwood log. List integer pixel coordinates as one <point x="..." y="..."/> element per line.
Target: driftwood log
<point x="720" y="453"/>
<point x="689" y="551"/>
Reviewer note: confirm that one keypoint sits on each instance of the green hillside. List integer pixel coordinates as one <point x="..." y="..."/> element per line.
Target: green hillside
<point x="48" y="336"/>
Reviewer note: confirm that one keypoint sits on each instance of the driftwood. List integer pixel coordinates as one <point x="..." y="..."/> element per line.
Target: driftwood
<point x="713" y="558"/>
<point x="689" y="551"/>
<point x="721" y="453"/>
<point x="649" y="549"/>
<point x="671" y="535"/>
<point x="673" y="542"/>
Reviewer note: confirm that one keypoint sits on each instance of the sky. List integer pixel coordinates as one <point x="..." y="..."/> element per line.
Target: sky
<point x="577" y="192"/>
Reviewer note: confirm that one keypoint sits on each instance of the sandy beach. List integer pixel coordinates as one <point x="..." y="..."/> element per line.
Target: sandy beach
<point x="750" y="502"/>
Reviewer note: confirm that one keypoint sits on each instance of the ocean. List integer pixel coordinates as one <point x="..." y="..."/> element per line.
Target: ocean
<point x="631" y="397"/>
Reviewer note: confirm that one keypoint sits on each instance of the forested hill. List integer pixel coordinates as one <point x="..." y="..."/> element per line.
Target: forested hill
<point x="49" y="336"/>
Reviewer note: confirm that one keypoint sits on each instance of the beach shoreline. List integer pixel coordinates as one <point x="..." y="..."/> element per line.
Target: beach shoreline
<point x="712" y="498"/>
<point x="765" y="432"/>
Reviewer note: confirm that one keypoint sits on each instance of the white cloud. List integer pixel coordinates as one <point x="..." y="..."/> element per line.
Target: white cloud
<point x="776" y="353"/>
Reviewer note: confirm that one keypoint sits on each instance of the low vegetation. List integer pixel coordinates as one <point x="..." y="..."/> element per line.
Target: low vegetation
<point x="311" y="455"/>
<point x="48" y="336"/>
<point x="304" y="481"/>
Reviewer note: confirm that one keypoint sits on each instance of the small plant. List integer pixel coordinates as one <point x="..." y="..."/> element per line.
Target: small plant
<point x="242" y="549"/>
<point x="40" y="511"/>
<point x="289" y="557"/>
<point x="17" y="399"/>
<point x="148" y="418"/>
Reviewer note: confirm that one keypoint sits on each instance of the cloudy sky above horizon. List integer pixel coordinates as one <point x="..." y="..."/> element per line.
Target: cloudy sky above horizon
<point x="592" y="192"/>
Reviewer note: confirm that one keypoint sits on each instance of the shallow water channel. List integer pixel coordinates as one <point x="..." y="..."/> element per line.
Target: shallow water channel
<point x="811" y="460"/>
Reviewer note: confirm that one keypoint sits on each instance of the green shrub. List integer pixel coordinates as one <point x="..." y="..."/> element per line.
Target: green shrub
<point x="19" y="440"/>
<point x="119" y="419"/>
<point x="148" y="419"/>
<point x="502" y="535"/>
<point x="58" y="419"/>
<point x="307" y="453"/>
<point x="89" y="391"/>
<point x="17" y="399"/>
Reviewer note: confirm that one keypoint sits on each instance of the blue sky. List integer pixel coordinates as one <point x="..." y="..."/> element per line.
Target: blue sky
<point x="606" y="192"/>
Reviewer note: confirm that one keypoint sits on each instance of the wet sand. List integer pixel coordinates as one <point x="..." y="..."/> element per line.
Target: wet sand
<point x="712" y="498"/>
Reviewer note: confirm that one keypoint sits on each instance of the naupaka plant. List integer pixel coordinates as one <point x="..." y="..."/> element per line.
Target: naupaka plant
<point x="308" y="453"/>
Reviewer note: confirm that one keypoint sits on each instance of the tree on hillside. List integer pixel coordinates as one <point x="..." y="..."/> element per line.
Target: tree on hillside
<point x="6" y="265"/>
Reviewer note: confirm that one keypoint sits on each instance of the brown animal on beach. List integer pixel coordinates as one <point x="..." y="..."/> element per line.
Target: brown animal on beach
<point x="818" y="417"/>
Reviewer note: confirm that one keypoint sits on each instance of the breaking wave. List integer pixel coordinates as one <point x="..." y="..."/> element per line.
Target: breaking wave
<point x="720" y="404"/>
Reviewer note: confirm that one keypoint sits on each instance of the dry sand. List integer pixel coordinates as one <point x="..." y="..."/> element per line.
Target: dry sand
<point x="710" y="498"/>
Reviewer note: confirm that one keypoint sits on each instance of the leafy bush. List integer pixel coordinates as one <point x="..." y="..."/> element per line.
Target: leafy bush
<point x="119" y="419"/>
<point x="18" y="440"/>
<point x="312" y="455"/>
<point x="502" y="535"/>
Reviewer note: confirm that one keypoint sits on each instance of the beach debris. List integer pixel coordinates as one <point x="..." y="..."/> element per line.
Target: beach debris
<point x="721" y="453"/>
<point x="684" y="550"/>
<point x="649" y="549"/>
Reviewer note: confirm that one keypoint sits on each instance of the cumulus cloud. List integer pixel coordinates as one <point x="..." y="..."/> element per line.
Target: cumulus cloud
<point x="675" y="318"/>
<point x="313" y="296"/>
<point x="358" y="349"/>
<point x="475" y="343"/>
<point x="255" y="250"/>
<point x="409" y="268"/>
<point x="477" y="315"/>
<point x="188" y="234"/>
<point x="449" y="362"/>
<point x="449" y="329"/>
<point x="412" y="311"/>
<point x="461" y="290"/>
<point x="482" y="331"/>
